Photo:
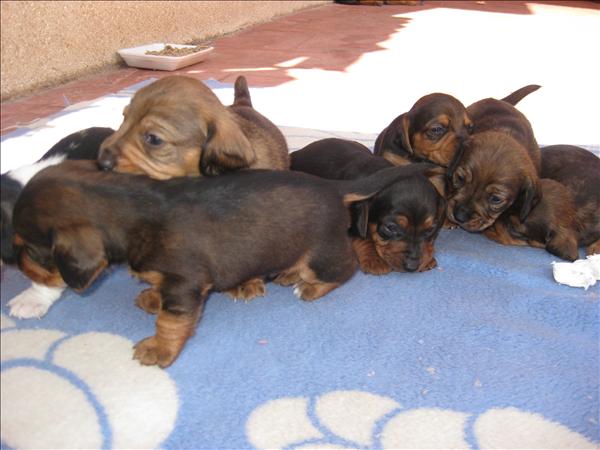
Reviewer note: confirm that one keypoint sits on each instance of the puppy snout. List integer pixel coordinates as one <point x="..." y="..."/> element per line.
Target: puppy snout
<point x="411" y="264"/>
<point x="107" y="159"/>
<point x="462" y="214"/>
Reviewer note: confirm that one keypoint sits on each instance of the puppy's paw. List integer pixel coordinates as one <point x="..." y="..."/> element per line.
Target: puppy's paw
<point x="149" y="352"/>
<point x="34" y="302"/>
<point x="248" y="290"/>
<point x="312" y="291"/>
<point x="287" y="279"/>
<point x="447" y="225"/>
<point x="431" y="265"/>
<point x="374" y="266"/>
<point x="149" y="300"/>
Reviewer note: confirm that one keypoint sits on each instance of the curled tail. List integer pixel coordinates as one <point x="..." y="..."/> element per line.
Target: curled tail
<point x="364" y="188"/>
<point x="241" y="93"/>
<point x="520" y="94"/>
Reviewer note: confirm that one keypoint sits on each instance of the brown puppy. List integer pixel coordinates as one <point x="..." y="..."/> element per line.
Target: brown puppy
<point x="395" y="229"/>
<point x="187" y="236"/>
<point x="498" y="169"/>
<point x="568" y="215"/>
<point x="552" y="223"/>
<point x="432" y="130"/>
<point x="177" y="126"/>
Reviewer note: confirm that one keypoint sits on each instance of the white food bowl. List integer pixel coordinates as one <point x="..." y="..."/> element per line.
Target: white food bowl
<point x="136" y="57"/>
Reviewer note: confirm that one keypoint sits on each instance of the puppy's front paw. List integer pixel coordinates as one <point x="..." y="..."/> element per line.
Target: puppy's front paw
<point x="34" y="302"/>
<point x="431" y="265"/>
<point x="374" y="266"/>
<point x="149" y="300"/>
<point x="248" y="290"/>
<point x="149" y="352"/>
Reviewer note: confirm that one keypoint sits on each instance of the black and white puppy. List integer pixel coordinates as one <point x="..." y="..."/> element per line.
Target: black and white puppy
<point x="83" y="144"/>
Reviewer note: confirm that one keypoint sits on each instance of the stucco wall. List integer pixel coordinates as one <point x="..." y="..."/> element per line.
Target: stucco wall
<point x="45" y="43"/>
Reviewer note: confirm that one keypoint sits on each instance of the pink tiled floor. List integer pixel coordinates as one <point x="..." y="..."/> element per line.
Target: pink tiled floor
<point x="357" y="67"/>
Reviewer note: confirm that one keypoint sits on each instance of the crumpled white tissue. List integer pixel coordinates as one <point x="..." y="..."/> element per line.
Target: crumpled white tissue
<point x="581" y="273"/>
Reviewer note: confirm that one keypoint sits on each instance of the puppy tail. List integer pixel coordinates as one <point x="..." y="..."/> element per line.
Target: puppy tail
<point x="241" y="93"/>
<point x="520" y="94"/>
<point x="364" y="188"/>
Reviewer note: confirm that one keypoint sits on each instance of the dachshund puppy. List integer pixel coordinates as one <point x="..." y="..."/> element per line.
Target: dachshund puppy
<point x="177" y="126"/>
<point x="395" y="229"/>
<point x="188" y="236"/>
<point x="84" y="144"/>
<point x="498" y="168"/>
<point x="568" y="215"/>
<point x="552" y="224"/>
<point x="432" y="130"/>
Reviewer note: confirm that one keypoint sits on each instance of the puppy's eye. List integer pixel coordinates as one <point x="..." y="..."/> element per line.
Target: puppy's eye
<point x="152" y="139"/>
<point x="436" y="131"/>
<point x="495" y="200"/>
<point x="459" y="179"/>
<point x="390" y="230"/>
<point x="470" y="128"/>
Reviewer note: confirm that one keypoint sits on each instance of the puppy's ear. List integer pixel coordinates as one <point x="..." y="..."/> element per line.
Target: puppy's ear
<point x="405" y="134"/>
<point x="226" y="148"/>
<point x="360" y="218"/>
<point x="563" y="244"/>
<point x="437" y="177"/>
<point x="79" y="255"/>
<point x="530" y="196"/>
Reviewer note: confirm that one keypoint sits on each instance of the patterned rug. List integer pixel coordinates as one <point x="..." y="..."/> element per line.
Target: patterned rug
<point x="485" y="351"/>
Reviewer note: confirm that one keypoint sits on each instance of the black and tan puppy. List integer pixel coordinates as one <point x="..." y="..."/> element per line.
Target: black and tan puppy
<point x="188" y="236"/>
<point x="432" y="130"/>
<point x="177" y="126"/>
<point x="83" y="144"/>
<point x="395" y="229"/>
<point x="568" y="215"/>
<point x="499" y="167"/>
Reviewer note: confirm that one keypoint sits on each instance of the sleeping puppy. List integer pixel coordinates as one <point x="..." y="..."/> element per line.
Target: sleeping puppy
<point x="552" y="224"/>
<point x="395" y="229"/>
<point x="84" y="144"/>
<point x="432" y="130"/>
<point x="498" y="168"/>
<point x="188" y="236"/>
<point x="568" y="215"/>
<point x="177" y="126"/>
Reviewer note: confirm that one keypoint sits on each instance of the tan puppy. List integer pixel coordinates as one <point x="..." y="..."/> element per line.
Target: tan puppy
<point x="498" y="169"/>
<point x="177" y="126"/>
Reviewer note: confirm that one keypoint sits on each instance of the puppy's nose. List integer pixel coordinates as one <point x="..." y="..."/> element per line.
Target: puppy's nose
<point x="461" y="214"/>
<point x="107" y="159"/>
<point x="411" y="264"/>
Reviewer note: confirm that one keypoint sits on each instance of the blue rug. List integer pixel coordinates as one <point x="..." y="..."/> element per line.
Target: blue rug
<point x="485" y="351"/>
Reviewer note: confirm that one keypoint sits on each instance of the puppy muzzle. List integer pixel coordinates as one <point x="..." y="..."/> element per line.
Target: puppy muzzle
<point x="107" y="159"/>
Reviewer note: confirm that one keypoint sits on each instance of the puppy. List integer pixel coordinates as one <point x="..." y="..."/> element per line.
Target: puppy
<point x="84" y="144"/>
<point x="569" y="213"/>
<point x="498" y="167"/>
<point x="177" y="126"/>
<point x="395" y="229"/>
<point x="432" y="130"/>
<point x="552" y="224"/>
<point x="187" y="236"/>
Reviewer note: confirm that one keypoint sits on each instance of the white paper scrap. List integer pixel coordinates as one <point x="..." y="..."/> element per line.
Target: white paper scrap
<point x="581" y="273"/>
